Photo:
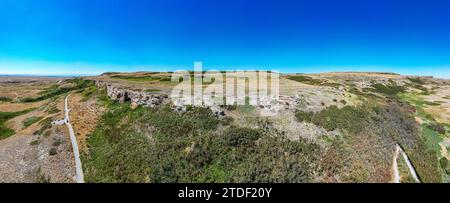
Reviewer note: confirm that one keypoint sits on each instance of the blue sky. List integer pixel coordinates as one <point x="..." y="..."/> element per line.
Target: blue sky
<point x="90" y="37"/>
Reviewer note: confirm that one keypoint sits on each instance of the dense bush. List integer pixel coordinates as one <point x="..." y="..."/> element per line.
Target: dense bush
<point x="303" y="116"/>
<point x="416" y="80"/>
<point x="390" y="90"/>
<point x="437" y="127"/>
<point x="444" y="163"/>
<point x="305" y="79"/>
<point x="370" y="133"/>
<point x="159" y="145"/>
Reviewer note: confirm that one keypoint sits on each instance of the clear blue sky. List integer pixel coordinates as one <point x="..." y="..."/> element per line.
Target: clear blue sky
<point x="87" y="37"/>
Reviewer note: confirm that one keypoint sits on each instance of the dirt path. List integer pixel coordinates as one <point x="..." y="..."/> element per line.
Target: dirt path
<point x="396" y="174"/>
<point x="79" y="168"/>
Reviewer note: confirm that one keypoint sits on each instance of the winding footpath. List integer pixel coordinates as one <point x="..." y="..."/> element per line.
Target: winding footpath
<point x="79" y="168"/>
<point x="399" y="150"/>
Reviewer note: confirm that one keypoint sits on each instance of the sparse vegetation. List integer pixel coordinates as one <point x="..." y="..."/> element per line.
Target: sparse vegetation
<point x="88" y="92"/>
<point x="5" y="116"/>
<point x="437" y="127"/>
<point x="416" y="80"/>
<point x="34" y="142"/>
<point x="56" y="142"/>
<point x="41" y="178"/>
<point x="303" y="116"/>
<point x="385" y="125"/>
<point x="152" y="90"/>
<point x="45" y="125"/>
<point x="405" y="174"/>
<point x="443" y="162"/>
<point x="55" y="90"/>
<point x="141" y="78"/>
<point x="52" y="109"/>
<point x="5" y="99"/>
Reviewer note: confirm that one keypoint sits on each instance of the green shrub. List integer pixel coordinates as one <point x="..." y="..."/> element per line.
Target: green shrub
<point x="31" y="120"/>
<point x="56" y="142"/>
<point x="347" y="118"/>
<point x="152" y="90"/>
<point x="159" y="145"/>
<point x="41" y="178"/>
<point x="437" y="127"/>
<point x="303" y="116"/>
<point x="56" y="90"/>
<point x="45" y="125"/>
<point x="305" y="79"/>
<point x="34" y="142"/>
<point x="5" y="99"/>
<point x="52" y="109"/>
<point x="416" y="80"/>
<point x="443" y="162"/>
<point x="390" y="90"/>
<point x="52" y="151"/>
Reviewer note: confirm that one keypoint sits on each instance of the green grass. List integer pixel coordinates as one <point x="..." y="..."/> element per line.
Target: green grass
<point x="34" y="142"/>
<point x="303" y="116"/>
<point x="52" y="109"/>
<point x="406" y="176"/>
<point x="5" y="116"/>
<point x="305" y="79"/>
<point x="56" y="90"/>
<point x="88" y="93"/>
<point x="416" y="80"/>
<point x="312" y="81"/>
<point x="152" y="90"/>
<point x="53" y="151"/>
<point x="347" y="118"/>
<point x="416" y="100"/>
<point x="390" y="89"/>
<point x="430" y="132"/>
<point x="432" y="138"/>
<point x="45" y="125"/>
<point x="30" y="121"/>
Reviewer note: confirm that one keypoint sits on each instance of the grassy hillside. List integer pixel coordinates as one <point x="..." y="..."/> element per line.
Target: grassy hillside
<point x="158" y="145"/>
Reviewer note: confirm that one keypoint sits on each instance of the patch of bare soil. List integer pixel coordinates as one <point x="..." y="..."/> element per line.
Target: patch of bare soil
<point x="18" y="90"/>
<point x="84" y="116"/>
<point x="12" y="107"/>
<point x="29" y="157"/>
<point x="36" y="158"/>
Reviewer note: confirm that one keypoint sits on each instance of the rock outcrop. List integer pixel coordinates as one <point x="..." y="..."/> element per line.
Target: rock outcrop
<point x="117" y="93"/>
<point x="140" y="98"/>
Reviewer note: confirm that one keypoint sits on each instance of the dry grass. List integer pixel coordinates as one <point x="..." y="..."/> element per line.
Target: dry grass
<point x="84" y="116"/>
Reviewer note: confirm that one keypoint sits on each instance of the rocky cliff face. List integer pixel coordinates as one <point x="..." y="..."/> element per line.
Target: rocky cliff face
<point x="139" y="98"/>
<point x="117" y="93"/>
